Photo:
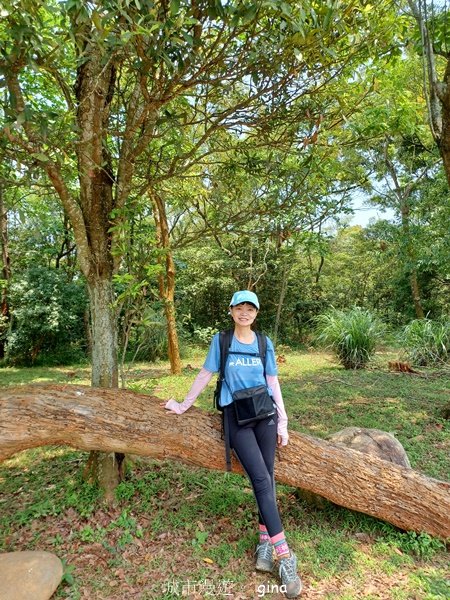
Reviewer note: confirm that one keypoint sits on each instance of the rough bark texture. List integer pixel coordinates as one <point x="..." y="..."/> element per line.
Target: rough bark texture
<point x="104" y="333"/>
<point x="124" y="422"/>
<point x="5" y="272"/>
<point x="445" y="138"/>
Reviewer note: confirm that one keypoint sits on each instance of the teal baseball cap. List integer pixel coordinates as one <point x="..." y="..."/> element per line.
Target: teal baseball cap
<point x="245" y="296"/>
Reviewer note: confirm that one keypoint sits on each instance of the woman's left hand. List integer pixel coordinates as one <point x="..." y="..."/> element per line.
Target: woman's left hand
<point x="281" y="441"/>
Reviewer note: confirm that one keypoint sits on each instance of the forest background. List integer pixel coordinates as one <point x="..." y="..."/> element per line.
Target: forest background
<point x="155" y="156"/>
<point x="213" y="167"/>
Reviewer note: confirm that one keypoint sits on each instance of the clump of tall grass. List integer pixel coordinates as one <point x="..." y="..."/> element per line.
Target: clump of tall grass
<point x="426" y="342"/>
<point x="352" y="334"/>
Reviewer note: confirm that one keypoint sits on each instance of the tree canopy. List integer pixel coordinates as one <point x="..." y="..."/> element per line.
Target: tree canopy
<point x="164" y="153"/>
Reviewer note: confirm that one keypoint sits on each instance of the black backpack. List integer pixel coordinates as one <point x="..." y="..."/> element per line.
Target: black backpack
<point x="225" y="339"/>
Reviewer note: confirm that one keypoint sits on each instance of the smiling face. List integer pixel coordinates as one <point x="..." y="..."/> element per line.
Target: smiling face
<point x="243" y="314"/>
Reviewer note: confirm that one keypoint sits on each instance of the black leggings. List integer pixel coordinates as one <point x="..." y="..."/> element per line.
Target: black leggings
<point x="254" y="445"/>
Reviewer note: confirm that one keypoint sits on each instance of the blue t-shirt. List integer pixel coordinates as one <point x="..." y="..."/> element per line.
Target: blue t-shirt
<point x="241" y="371"/>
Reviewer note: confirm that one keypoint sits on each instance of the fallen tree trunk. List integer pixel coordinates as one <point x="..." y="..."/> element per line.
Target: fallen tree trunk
<point x="122" y="421"/>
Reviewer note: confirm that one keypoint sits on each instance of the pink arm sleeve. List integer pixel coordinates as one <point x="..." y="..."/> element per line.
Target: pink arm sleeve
<point x="199" y="384"/>
<point x="274" y="384"/>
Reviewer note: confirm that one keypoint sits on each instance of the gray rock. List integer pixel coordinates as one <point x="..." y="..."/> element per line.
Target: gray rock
<point x="371" y="441"/>
<point x="374" y="442"/>
<point x="29" y="575"/>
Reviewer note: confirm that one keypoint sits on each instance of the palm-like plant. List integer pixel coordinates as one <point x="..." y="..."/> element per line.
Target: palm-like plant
<point x="352" y="334"/>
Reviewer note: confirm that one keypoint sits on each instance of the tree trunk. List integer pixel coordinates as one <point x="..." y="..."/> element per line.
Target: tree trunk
<point x="88" y="330"/>
<point x="415" y="291"/>
<point x="166" y="280"/>
<point x="410" y="256"/>
<point x="444" y="97"/>
<point x="174" y="349"/>
<point x="437" y="93"/>
<point x="121" y="421"/>
<point x="90" y="205"/>
<point x="94" y="89"/>
<point x="5" y="273"/>
<point x="105" y="468"/>
<point x="104" y="334"/>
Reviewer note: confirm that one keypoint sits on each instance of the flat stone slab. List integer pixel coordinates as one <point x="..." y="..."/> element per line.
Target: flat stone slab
<point x="29" y="575"/>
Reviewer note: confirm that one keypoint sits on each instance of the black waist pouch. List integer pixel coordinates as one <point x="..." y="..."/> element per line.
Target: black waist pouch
<point x="253" y="404"/>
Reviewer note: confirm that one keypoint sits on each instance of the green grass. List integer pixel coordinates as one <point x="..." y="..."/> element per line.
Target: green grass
<point x="427" y="342"/>
<point x="178" y="530"/>
<point x="353" y="334"/>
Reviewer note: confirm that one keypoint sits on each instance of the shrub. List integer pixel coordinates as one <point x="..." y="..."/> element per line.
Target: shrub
<point x="426" y="342"/>
<point x="47" y="318"/>
<point x="352" y="334"/>
<point x="149" y="341"/>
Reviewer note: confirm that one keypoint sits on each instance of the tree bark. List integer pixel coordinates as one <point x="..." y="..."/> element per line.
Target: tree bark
<point x="166" y="279"/>
<point x="105" y="468"/>
<point x="444" y="97"/>
<point x="437" y="93"/>
<point x="121" y="421"/>
<point x="410" y="255"/>
<point x="415" y="291"/>
<point x="104" y="333"/>
<point x="94" y="90"/>
<point x="5" y="272"/>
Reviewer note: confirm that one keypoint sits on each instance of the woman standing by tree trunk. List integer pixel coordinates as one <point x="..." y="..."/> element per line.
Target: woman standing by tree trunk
<point x="254" y="442"/>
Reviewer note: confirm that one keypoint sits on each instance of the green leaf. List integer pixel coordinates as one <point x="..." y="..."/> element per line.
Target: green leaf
<point x="97" y="20"/>
<point x="174" y="7"/>
<point x="286" y="9"/>
<point x="298" y="55"/>
<point x="189" y="39"/>
<point x="40" y="156"/>
<point x="328" y="17"/>
<point x="249" y="14"/>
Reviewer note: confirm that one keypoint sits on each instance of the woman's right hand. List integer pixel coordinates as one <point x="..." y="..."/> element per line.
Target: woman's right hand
<point x="172" y="406"/>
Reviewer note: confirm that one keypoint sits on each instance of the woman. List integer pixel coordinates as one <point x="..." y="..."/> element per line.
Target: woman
<point x="253" y="443"/>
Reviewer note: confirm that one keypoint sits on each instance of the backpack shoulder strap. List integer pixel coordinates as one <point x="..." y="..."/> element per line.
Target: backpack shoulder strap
<point x="262" y="345"/>
<point x="225" y="343"/>
<point x="225" y="340"/>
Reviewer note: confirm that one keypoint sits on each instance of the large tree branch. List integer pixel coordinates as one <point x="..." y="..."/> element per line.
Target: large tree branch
<point x="430" y="71"/>
<point x="33" y="145"/>
<point x="123" y="421"/>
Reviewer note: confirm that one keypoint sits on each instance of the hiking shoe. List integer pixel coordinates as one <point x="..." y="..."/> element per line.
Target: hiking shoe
<point x="264" y="557"/>
<point x="289" y="577"/>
